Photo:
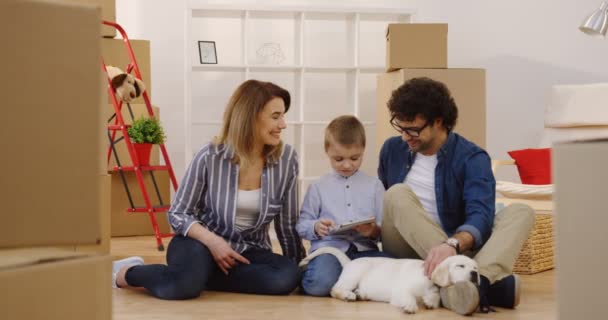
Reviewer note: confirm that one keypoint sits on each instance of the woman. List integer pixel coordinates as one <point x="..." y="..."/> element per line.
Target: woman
<point x="232" y="190"/>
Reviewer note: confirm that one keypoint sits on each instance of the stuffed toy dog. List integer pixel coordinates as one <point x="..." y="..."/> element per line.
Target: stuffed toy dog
<point x="127" y="86"/>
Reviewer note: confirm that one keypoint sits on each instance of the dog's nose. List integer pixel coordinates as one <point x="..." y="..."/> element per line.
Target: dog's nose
<point x="132" y="94"/>
<point x="474" y="277"/>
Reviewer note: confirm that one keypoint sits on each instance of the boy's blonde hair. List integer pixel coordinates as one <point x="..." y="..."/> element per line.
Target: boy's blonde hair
<point x="345" y="130"/>
<point x="239" y="129"/>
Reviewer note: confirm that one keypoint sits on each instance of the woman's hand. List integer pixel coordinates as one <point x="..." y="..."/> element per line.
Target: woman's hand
<point x="323" y="226"/>
<point x="221" y="251"/>
<point x="224" y="255"/>
<point x="368" y="230"/>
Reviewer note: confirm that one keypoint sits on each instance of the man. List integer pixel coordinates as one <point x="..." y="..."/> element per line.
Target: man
<point x="441" y="199"/>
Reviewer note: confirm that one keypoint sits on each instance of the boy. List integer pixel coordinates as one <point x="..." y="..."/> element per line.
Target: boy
<point x="344" y="195"/>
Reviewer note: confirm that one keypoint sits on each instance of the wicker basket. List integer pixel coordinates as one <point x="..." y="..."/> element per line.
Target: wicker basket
<point x="536" y="255"/>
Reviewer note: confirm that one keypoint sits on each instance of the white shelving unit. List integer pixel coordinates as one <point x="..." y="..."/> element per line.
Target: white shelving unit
<point x="327" y="58"/>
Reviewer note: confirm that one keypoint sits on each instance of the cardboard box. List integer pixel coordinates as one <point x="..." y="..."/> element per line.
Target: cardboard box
<point x="115" y="53"/>
<point x="138" y="223"/>
<point x="138" y="110"/>
<point x="580" y="175"/>
<point x="51" y="284"/>
<point x="416" y="45"/>
<point x="108" y="13"/>
<point x="103" y="246"/>
<point x="51" y="125"/>
<point x="468" y="87"/>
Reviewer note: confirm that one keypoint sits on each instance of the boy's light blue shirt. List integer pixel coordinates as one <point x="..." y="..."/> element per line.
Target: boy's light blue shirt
<point x="342" y="200"/>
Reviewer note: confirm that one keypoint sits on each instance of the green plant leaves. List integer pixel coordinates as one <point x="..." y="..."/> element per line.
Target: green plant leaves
<point x="147" y="130"/>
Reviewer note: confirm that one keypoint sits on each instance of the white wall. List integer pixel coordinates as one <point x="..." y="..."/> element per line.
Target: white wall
<point x="526" y="46"/>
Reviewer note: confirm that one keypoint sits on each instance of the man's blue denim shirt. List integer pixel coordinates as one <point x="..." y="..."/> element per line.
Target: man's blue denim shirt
<point x="464" y="183"/>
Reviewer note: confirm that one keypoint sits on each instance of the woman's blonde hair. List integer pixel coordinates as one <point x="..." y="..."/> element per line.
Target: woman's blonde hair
<point x="240" y="119"/>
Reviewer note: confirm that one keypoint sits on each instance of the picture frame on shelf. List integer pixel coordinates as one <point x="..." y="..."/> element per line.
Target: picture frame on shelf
<point x="207" y="52"/>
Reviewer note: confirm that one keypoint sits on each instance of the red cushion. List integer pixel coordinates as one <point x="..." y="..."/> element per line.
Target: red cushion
<point x="534" y="165"/>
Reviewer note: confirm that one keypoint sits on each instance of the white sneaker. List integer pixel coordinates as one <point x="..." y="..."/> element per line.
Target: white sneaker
<point x="119" y="264"/>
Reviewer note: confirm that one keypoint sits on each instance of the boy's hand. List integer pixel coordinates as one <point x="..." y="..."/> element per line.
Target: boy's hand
<point x="368" y="230"/>
<point x="323" y="226"/>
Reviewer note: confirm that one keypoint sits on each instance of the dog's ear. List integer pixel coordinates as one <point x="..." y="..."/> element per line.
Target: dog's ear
<point x="441" y="274"/>
<point x="118" y="80"/>
<point x="139" y="87"/>
<point x="113" y="71"/>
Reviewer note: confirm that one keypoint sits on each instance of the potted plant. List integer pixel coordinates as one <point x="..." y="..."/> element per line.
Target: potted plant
<point x="145" y="132"/>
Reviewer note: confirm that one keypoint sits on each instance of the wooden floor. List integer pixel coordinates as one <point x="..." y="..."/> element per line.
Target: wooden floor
<point x="537" y="300"/>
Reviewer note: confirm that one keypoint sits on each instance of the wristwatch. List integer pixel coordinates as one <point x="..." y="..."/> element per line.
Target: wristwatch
<point x="454" y="243"/>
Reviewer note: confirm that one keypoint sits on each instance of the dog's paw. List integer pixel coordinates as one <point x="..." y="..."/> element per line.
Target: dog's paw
<point x="431" y="300"/>
<point x="361" y="296"/>
<point x="407" y="304"/>
<point x="409" y="308"/>
<point x="350" y="296"/>
<point x="344" y="295"/>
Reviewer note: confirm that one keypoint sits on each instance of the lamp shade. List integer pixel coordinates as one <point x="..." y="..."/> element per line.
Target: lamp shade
<point x="597" y="23"/>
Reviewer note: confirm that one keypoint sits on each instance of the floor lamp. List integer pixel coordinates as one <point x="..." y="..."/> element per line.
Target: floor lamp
<point x="597" y="23"/>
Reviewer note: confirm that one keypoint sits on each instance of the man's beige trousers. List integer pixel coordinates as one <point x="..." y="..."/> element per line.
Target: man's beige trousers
<point x="409" y="232"/>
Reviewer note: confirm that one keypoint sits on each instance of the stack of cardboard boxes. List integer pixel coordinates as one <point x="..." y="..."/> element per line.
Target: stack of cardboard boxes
<point x="55" y="191"/>
<point x="420" y="50"/>
<point x="55" y="184"/>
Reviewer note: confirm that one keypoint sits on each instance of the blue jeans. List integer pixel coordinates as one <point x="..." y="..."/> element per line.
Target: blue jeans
<point x="323" y="271"/>
<point x="191" y="269"/>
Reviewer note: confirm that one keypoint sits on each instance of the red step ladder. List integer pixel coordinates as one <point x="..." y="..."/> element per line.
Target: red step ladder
<point x="120" y="126"/>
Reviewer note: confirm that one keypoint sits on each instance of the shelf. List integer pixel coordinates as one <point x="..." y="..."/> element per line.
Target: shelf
<point x="329" y="69"/>
<point x="327" y="57"/>
<point x="277" y="68"/>
<point x="274" y="68"/>
<point x="328" y="95"/>
<point x="280" y="48"/>
<point x="218" y="67"/>
<point x="329" y="30"/>
<point x="372" y="69"/>
<point x="231" y="8"/>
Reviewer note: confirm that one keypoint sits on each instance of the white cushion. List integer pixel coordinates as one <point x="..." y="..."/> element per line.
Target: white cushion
<point x="577" y="105"/>
<point x="525" y="191"/>
<point x="551" y="136"/>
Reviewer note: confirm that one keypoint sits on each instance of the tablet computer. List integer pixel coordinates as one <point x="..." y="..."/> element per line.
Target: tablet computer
<point x="351" y="224"/>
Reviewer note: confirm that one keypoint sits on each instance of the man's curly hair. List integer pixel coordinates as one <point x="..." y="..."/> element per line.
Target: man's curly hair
<point x="425" y="97"/>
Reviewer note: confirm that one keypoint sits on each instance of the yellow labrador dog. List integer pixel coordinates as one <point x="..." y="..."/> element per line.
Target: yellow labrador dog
<point x="400" y="282"/>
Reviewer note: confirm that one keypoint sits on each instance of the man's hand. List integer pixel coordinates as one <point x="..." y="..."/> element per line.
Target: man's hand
<point x="436" y="256"/>
<point x="224" y="255"/>
<point x="323" y="226"/>
<point x="368" y="230"/>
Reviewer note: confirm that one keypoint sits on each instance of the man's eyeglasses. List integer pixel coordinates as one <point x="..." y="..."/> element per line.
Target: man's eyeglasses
<point x="411" y="131"/>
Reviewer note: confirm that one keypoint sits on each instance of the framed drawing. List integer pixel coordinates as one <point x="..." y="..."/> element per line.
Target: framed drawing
<point x="207" y="53"/>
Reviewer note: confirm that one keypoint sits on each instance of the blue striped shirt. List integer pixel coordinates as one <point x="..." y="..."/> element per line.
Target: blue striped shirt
<point x="208" y="194"/>
<point x="341" y="200"/>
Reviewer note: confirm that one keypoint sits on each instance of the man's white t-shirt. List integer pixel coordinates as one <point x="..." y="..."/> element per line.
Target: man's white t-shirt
<point x="421" y="179"/>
